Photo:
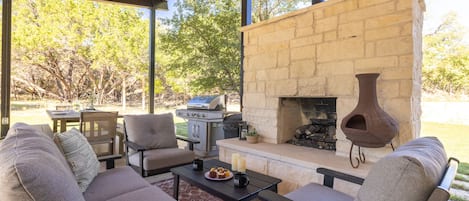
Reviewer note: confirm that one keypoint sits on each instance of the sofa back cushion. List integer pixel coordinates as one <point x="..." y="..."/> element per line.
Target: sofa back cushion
<point x="152" y="131"/>
<point x="33" y="168"/>
<point x="408" y="174"/>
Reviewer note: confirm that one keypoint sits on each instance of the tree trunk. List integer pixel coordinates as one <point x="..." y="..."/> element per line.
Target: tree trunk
<point x="124" y="94"/>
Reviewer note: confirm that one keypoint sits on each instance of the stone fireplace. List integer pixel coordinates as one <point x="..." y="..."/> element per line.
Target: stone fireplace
<point x="316" y="52"/>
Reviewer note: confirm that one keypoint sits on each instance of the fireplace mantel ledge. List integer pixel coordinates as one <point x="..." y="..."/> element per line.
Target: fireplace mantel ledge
<point x="305" y="157"/>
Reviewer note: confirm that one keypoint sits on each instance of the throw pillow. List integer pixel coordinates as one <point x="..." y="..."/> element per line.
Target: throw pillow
<point x="80" y="156"/>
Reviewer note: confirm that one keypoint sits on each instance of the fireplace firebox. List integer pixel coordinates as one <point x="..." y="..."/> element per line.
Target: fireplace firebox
<point x="310" y="122"/>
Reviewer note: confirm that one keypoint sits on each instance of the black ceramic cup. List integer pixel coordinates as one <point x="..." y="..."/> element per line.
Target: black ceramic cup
<point x="198" y="164"/>
<point x="241" y="180"/>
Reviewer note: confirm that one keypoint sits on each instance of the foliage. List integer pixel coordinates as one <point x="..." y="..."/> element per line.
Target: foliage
<point x="71" y="50"/>
<point x="203" y="45"/>
<point x="266" y="9"/>
<point x="446" y="58"/>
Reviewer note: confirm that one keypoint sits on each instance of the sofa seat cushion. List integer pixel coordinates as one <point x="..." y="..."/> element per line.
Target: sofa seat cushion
<point x="317" y="192"/>
<point x="144" y="194"/>
<point x="80" y="156"/>
<point x="162" y="158"/>
<point x="33" y="168"/>
<point x="113" y="183"/>
<point x="412" y="172"/>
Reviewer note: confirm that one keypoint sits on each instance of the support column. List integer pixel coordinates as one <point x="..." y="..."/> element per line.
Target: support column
<point x="246" y="7"/>
<point x="6" y="67"/>
<point x="151" y="70"/>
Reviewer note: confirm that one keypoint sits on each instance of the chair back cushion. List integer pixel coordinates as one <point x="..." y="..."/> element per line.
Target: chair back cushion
<point x="410" y="173"/>
<point x="152" y="131"/>
<point x="33" y="168"/>
<point x="80" y="156"/>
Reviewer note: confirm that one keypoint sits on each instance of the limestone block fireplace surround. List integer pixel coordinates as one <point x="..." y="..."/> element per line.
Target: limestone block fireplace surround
<point x="316" y="52"/>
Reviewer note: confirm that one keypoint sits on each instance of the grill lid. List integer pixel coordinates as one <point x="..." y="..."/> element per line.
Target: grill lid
<point x="215" y="102"/>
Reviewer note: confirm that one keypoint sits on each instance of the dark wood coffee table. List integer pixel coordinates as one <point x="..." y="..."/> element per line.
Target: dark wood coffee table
<point x="223" y="189"/>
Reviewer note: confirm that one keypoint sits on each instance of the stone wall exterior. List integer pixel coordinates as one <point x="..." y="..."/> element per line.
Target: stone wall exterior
<point x="316" y="52"/>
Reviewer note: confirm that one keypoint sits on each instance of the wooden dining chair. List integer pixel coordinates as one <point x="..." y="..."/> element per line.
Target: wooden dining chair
<point x="100" y="130"/>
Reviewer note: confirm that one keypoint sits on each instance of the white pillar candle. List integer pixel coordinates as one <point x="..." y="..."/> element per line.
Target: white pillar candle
<point x="234" y="161"/>
<point x="242" y="164"/>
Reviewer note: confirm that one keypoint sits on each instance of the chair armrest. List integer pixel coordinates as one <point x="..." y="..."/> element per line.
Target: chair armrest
<point x="135" y="146"/>
<point x="188" y="140"/>
<point x="329" y="176"/>
<point x="109" y="160"/>
<point x="268" y="195"/>
<point x="441" y="192"/>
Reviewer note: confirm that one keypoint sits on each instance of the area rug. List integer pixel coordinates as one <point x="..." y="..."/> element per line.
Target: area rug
<point x="187" y="192"/>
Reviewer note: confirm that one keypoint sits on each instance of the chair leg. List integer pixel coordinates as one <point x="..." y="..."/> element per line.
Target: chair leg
<point x="142" y="172"/>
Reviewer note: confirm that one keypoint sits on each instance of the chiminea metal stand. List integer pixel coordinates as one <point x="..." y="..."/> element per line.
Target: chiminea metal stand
<point x="361" y="156"/>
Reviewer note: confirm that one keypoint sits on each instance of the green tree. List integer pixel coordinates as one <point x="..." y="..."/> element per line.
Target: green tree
<point x="203" y="46"/>
<point x="266" y="9"/>
<point x="446" y="58"/>
<point x="72" y="49"/>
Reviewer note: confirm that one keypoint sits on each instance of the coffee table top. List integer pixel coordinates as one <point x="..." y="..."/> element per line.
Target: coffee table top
<point x="225" y="189"/>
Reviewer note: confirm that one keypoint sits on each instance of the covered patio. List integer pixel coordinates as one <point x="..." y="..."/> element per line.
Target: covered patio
<point x="303" y="60"/>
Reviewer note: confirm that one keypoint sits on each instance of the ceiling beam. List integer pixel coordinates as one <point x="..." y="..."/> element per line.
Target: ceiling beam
<point x="157" y="4"/>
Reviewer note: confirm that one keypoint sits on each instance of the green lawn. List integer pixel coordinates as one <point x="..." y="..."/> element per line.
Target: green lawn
<point x="455" y="138"/>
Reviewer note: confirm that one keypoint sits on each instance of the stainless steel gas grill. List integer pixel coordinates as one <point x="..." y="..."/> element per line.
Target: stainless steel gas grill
<point x="205" y="115"/>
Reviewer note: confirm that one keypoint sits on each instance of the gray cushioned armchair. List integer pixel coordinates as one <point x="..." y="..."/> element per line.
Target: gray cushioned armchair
<point x="152" y="144"/>
<point x="416" y="171"/>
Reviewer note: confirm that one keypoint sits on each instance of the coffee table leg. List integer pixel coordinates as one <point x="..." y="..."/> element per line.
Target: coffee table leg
<point x="176" y="186"/>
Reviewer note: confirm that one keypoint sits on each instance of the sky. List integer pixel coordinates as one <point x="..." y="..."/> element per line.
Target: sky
<point x="437" y="9"/>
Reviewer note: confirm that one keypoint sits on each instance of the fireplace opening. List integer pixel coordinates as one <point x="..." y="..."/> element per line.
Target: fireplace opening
<point x="310" y="122"/>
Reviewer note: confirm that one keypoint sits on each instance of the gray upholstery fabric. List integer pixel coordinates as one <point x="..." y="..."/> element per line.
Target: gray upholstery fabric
<point x="317" y="192"/>
<point x="44" y="128"/>
<point x="80" y="156"/>
<point x="152" y="131"/>
<point x="160" y="158"/>
<point x="408" y="174"/>
<point x="113" y="183"/>
<point x="32" y="168"/>
<point x="144" y="194"/>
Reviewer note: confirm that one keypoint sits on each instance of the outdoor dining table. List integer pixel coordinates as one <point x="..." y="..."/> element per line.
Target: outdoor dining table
<point x="60" y="117"/>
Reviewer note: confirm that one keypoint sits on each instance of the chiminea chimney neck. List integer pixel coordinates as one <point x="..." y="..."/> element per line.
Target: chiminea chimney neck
<point x="367" y="95"/>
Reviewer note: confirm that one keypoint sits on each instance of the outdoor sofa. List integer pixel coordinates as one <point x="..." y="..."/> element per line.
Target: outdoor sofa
<point x="34" y="168"/>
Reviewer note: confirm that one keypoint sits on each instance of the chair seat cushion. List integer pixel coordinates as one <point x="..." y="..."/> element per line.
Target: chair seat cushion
<point x="162" y="158"/>
<point x="408" y="174"/>
<point x="113" y="183"/>
<point x="317" y="192"/>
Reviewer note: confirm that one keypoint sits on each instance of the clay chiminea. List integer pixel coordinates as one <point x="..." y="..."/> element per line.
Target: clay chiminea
<point x="368" y="125"/>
